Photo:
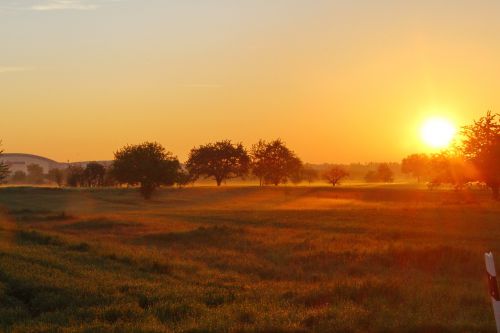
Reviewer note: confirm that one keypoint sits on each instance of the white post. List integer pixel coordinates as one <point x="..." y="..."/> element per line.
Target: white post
<point x="492" y="280"/>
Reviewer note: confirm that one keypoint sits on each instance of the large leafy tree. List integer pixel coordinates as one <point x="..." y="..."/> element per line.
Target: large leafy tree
<point x="274" y="163"/>
<point x="221" y="160"/>
<point x="481" y="146"/>
<point x="4" y="168"/>
<point x="148" y="165"/>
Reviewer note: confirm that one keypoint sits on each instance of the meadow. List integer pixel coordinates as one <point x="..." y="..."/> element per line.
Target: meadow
<point x="246" y="259"/>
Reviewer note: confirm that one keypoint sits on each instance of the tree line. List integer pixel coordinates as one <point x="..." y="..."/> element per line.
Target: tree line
<point x="93" y="175"/>
<point x="149" y="165"/>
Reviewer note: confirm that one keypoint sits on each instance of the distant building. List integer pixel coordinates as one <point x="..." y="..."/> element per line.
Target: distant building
<point x="20" y="162"/>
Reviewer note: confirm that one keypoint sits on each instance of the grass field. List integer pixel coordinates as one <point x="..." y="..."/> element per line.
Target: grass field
<point x="246" y="259"/>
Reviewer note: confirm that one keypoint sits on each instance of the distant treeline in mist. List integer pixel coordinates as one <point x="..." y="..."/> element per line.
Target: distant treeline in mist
<point x="149" y="165"/>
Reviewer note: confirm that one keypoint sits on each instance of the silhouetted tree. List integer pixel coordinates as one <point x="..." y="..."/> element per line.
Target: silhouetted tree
<point x="309" y="174"/>
<point x="481" y="146"/>
<point x="258" y="159"/>
<point x="147" y="165"/>
<point x="4" y="168"/>
<point x="56" y="176"/>
<point x="35" y="174"/>
<point x="94" y="174"/>
<point x="74" y="176"/>
<point x="18" y="177"/>
<point x="335" y="175"/>
<point x="416" y="165"/>
<point x="274" y="163"/>
<point x="221" y="160"/>
<point x="383" y="174"/>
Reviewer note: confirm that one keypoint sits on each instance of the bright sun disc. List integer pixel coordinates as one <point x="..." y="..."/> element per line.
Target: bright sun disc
<point x="438" y="132"/>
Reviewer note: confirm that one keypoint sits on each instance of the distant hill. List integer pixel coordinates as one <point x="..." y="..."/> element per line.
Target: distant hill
<point x="20" y="162"/>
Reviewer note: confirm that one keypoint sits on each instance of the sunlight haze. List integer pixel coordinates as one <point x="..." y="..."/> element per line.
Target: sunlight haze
<point x="338" y="81"/>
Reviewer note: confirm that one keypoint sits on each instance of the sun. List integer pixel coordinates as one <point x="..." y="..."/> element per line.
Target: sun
<point x="438" y="132"/>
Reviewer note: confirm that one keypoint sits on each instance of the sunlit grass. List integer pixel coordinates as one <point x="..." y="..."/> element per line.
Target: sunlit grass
<point x="246" y="259"/>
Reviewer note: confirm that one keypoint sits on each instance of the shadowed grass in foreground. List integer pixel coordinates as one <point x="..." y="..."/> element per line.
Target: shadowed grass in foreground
<point x="246" y="259"/>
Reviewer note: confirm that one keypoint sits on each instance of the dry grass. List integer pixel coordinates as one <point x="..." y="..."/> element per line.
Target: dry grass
<point x="246" y="259"/>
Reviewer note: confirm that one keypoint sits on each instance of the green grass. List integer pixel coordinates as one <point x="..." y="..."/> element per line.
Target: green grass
<point x="247" y="259"/>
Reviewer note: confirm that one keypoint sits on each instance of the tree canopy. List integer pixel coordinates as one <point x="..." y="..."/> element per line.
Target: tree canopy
<point x="383" y="174"/>
<point x="148" y="165"/>
<point x="481" y="146"/>
<point x="274" y="163"/>
<point x="94" y="174"/>
<point x="335" y="175"/>
<point x="221" y="160"/>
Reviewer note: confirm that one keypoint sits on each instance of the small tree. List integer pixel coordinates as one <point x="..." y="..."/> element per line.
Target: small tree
<point x="383" y="174"/>
<point x="220" y="160"/>
<point x="309" y="174"/>
<point x="56" y="176"/>
<point x="94" y="174"/>
<point x="35" y="174"/>
<point x="18" y="177"/>
<point x="481" y="146"/>
<point x="274" y="163"/>
<point x="4" y="168"/>
<point x="335" y="175"/>
<point x="416" y="165"/>
<point x="74" y="176"/>
<point x="147" y="165"/>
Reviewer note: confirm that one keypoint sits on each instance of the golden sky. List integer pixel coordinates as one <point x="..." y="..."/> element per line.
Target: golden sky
<point x="339" y="81"/>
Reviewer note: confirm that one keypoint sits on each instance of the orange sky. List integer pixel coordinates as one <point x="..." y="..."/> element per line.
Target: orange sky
<point x="339" y="81"/>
